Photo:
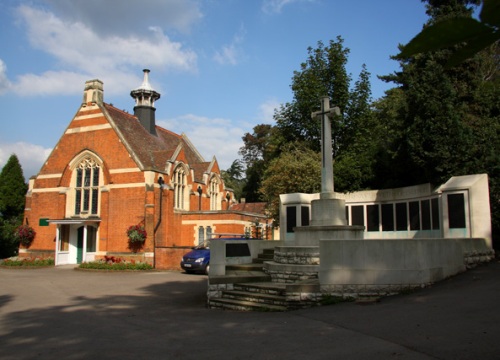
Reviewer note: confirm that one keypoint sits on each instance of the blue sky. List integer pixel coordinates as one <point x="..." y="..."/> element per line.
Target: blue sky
<point x="221" y="66"/>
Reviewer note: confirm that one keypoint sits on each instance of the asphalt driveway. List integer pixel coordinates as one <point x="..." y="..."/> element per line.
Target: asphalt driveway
<point x="60" y="313"/>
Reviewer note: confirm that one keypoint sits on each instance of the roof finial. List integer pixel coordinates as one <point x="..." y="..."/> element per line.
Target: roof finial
<point x="145" y="95"/>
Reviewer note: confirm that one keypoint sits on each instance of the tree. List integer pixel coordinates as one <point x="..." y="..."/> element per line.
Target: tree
<point x="258" y="149"/>
<point x="233" y="178"/>
<point x="322" y="74"/>
<point x="12" y="189"/>
<point x="451" y="115"/>
<point x="297" y="169"/>
<point x="471" y="36"/>
<point x="12" y="200"/>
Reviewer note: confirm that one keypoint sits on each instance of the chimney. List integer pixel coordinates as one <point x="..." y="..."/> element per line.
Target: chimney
<point x="93" y="92"/>
<point x="144" y="109"/>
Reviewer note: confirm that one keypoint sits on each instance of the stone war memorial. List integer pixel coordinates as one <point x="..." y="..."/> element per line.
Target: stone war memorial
<point x="359" y="245"/>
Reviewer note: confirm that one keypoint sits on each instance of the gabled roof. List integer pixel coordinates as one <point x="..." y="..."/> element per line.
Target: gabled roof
<point x="149" y="151"/>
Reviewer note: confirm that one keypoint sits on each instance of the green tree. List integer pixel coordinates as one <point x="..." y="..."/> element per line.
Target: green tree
<point x="297" y="169"/>
<point x="470" y="35"/>
<point x="451" y="114"/>
<point x="12" y="200"/>
<point x="233" y="178"/>
<point x="12" y="189"/>
<point x="258" y="149"/>
<point x="322" y="74"/>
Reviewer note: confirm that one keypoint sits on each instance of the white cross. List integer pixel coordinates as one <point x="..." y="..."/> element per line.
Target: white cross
<point x="326" y="143"/>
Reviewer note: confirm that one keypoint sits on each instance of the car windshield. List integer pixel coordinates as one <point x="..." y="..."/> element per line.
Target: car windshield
<point x="204" y="245"/>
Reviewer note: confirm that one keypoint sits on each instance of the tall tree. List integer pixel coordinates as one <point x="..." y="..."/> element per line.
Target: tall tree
<point x="258" y="149"/>
<point x="233" y="178"/>
<point x="322" y="74"/>
<point x="12" y="201"/>
<point x="12" y="189"/>
<point x="451" y="115"/>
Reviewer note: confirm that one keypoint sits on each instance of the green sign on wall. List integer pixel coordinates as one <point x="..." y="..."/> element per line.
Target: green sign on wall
<point x="43" y="222"/>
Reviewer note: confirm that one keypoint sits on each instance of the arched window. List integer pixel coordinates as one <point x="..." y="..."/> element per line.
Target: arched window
<point x="179" y="183"/>
<point x="87" y="175"/>
<point x="214" y="193"/>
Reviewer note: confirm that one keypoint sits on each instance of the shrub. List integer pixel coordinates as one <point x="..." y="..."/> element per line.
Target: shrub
<point x="26" y="262"/>
<point x="115" y="265"/>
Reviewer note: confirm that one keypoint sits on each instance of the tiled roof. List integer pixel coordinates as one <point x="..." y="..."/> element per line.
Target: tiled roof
<point x="150" y="151"/>
<point x="255" y="208"/>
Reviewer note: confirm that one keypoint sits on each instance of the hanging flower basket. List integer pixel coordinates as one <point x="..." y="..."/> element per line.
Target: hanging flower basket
<point x="25" y="234"/>
<point x="136" y="234"/>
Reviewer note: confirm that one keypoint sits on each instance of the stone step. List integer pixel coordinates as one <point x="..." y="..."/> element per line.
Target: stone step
<point x="245" y="267"/>
<point x="231" y="304"/>
<point x="255" y="297"/>
<point x="261" y="259"/>
<point x="237" y="276"/>
<point x="267" y="287"/>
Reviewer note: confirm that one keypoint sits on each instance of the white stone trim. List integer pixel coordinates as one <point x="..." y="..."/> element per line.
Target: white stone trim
<point x="91" y="116"/>
<point x="124" y="170"/>
<point x="88" y="128"/>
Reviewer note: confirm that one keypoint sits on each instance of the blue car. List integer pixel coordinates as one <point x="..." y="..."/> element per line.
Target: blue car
<point x="198" y="259"/>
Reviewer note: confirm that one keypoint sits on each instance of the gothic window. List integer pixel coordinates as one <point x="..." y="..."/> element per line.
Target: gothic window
<point x="214" y="193"/>
<point x="87" y="187"/>
<point x="179" y="183"/>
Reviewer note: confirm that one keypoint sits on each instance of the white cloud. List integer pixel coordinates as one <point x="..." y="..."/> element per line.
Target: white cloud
<point x="4" y="81"/>
<point x="231" y="53"/>
<point x="276" y="6"/>
<point x="266" y="111"/>
<point x="118" y="16"/>
<point x="80" y="49"/>
<point x="31" y="156"/>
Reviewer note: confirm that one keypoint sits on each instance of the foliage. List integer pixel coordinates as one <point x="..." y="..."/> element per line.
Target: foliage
<point x="137" y="233"/>
<point x="322" y="74"/>
<point x="12" y="200"/>
<point x="27" y="262"/>
<point x="115" y="264"/>
<point x="297" y="169"/>
<point x="9" y="245"/>
<point x="233" y="178"/>
<point x="25" y="234"/>
<point x="468" y="35"/>
<point x="12" y="189"/>
<point x="450" y="115"/>
<point x="259" y="148"/>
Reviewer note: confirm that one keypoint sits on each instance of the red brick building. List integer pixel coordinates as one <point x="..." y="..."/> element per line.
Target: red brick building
<point x="111" y="170"/>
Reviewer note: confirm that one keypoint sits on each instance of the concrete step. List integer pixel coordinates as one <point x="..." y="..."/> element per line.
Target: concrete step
<point x="240" y="305"/>
<point x="255" y="297"/>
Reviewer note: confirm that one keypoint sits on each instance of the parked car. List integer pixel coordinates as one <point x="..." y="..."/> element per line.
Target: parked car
<point x="198" y="259"/>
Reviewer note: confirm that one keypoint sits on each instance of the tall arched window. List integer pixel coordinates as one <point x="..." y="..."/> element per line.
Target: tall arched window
<point x="214" y="193"/>
<point x="87" y="187"/>
<point x="179" y="183"/>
